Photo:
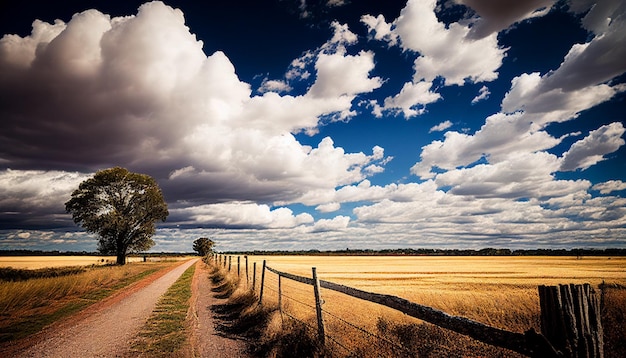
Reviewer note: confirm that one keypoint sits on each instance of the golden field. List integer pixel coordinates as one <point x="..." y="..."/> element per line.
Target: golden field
<point x="37" y="262"/>
<point x="499" y="291"/>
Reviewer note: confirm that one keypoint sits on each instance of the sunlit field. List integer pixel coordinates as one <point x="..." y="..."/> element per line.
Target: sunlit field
<point x="498" y="291"/>
<point x="28" y="305"/>
<point x="37" y="262"/>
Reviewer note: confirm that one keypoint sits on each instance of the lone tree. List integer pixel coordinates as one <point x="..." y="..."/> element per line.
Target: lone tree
<point x="121" y="207"/>
<point x="203" y="246"/>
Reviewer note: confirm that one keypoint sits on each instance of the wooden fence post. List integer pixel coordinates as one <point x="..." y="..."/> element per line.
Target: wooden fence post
<point x="254" y="276"/>
<point x="318" y="308"/>
<point x="230" y="262"/>
<point x="238" y="266"/>
<point x="570" y="320"/>
<point x="262" y="283"/>
<point x="247" y="280"/>
<point x="224" y="261"/>
<point x="280" y="295"/>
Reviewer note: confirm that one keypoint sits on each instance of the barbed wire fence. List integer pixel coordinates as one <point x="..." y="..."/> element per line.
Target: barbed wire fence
<point x="299" y="299"/>
<point x="296" y="301"/>
<point x="344" y="335"/>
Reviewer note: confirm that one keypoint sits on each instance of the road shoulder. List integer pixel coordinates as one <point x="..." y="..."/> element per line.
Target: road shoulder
<point x="207" y="340"/>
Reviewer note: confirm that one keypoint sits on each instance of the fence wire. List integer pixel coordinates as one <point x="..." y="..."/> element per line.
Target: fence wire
<point x="295" y="297"/>
<point x="367" y="332"/>
<point x="271" y="285"/>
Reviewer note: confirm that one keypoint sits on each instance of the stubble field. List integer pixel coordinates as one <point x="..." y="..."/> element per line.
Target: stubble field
<point x="497" y="291"/>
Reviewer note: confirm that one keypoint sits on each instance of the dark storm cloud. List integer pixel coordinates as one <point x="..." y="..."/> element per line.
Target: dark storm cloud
<point x="139" y="92"/>
<point x="497" y="15"/>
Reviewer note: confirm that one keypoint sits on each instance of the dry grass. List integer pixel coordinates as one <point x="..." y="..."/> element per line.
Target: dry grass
<point x="263" y="327"/>
<point x="498" y="291"/>
<point x="27" y="306"/>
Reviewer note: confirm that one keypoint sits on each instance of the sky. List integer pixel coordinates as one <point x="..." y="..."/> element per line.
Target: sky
<point x="298" y="125"/>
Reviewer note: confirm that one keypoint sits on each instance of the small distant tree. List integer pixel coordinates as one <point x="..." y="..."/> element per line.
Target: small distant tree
<point x="121" y="207"/>
<point x="203" y="246"/>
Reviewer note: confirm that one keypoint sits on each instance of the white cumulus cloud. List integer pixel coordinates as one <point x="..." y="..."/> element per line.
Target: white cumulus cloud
<point x="610" y="186"/>
<point x="441" y="127"/>
<point x="483" y="94"/>
<point x="592" y="149"/>
<point x="337" y="223"/>
<point x="412" y="99"/>
<point x="117" y="95"/>
<point x="241" y="215"/>
<point x="446" y="51"/>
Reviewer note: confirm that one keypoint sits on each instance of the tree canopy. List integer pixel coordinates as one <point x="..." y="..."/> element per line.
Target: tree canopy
<point x="121" y="207"/>
<point x="203" y="246"/>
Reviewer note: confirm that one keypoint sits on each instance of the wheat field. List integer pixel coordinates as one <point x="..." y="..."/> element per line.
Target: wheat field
<point x="37" y="262"/>
<point x="499" y="291"/>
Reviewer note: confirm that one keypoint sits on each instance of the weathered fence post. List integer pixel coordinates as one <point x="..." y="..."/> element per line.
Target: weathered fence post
<point x="570" y="320"/>
<point x="254" y="276"/>
<point x="238" y="265"/>
<point x="280" y="295"/>
<point x="230" y="262"/>
<point x="224" y="261"/>
<point x="318" y="308"/>
<point x="247" y="280"/>
<point x="262" y="283"/>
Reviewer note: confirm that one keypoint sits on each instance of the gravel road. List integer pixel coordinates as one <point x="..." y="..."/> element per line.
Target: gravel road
<point x="108" y="331"/>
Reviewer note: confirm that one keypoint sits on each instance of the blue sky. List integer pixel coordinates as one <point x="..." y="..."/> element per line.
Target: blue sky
<point x="286" y="124"/>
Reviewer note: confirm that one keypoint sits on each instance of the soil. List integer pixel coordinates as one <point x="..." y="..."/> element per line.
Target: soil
<point x="206" y="339"/>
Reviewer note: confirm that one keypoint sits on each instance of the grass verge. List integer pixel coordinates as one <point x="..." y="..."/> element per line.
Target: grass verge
<point x="267" y="333"/>
<point x="165" y="333"/>
<point x="26" y="307"/>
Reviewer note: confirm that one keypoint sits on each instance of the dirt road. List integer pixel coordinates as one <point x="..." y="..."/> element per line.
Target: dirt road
<point x="107" y="331"/>
<point x="207" y="341"/>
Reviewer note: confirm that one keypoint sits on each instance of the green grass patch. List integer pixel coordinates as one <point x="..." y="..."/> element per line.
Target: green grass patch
<point x="165" y="333"/>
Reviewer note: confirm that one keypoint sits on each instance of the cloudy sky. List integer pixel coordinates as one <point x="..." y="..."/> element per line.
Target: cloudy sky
<point x="293" y="124"/>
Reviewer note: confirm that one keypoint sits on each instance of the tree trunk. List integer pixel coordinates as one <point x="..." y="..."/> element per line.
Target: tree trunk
<point x="121" y="257"/>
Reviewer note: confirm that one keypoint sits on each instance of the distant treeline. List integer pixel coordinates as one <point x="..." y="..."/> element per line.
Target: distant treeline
<point x="86" y="253"/>
<point x="441" y="252"/>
